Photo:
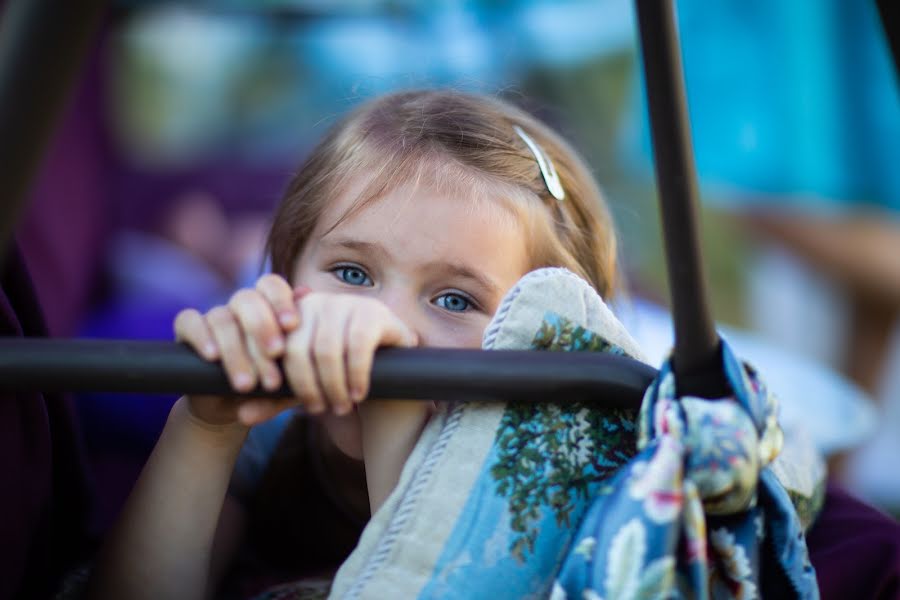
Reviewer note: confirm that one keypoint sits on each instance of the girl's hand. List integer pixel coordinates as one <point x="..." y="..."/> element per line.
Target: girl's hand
<point x="328" y="361"/>
<point x="327" y="341"/>
<point x="247" y="335"/>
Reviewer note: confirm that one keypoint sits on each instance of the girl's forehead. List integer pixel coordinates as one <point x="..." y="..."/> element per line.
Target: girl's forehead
<point x="421" y="227"/>
<point x="415" y="206"/>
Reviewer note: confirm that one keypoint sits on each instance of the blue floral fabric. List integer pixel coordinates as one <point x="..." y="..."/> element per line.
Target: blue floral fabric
<point x="678" y="500"/>
<point x="696" y="513"/>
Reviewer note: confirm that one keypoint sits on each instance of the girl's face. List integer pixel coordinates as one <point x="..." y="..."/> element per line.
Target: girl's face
<point x="441" y="263"/>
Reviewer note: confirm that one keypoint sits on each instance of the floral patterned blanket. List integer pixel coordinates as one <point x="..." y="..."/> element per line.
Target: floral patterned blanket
<point x="688" y="499"/>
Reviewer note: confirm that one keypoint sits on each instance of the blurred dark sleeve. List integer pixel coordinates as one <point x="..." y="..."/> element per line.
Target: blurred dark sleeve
<point x="855" y="550"/>
<point x="68" y="217"/>
<point x="311" y="505"/>
<point x="46" y="499"/>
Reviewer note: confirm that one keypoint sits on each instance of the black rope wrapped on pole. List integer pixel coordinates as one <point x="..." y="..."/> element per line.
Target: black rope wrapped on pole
<point x="696" y="354"/>
<point x="437" y="374"/>
<point x="43" y="44"/>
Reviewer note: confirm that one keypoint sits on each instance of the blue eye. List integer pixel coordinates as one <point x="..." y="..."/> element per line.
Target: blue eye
<point x="352" y="275"/>
<point x="453" y="302"/>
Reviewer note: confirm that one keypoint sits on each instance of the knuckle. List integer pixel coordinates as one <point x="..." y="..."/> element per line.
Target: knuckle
<point x="327" y="345"/>
<point x="324" y="353"/>
<point x="220" y="315"/>
<point x="381" y="315"/>
<point x="378" y="306"/>
<point x="359" y="356"/>
<point x="362" y="340"/>
<point x="366" y="305"/>
<point x="251" y="319"/>
<point x="242" y="297"/>
<point x="356" y="334"/>
<point x="293" y="345"/>
<point x="271" y="282"/>
<point x="253" y="323"/>
<point x="311" y="301"/>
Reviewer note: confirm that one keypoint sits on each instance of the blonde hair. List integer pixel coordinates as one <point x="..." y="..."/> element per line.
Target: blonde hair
<point x="461" y="143"/>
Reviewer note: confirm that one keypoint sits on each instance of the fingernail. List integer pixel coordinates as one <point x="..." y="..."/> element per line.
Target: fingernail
<point x="242" y="381"/>
<point x="316" y="409"/>
<point x="276" y="345"/>
<point x="210" y="350"/>
<point x="341" y="409"/>
<point x="357" y="395"/>
<point x="287" y="319"/>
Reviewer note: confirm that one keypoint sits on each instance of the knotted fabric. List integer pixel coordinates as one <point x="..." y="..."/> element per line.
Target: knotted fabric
<point x="697" y="513"/>
<point x="491" y="502"/>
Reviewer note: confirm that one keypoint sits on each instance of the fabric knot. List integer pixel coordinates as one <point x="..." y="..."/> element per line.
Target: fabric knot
<point x="692" y="510"/>
<point x="721" y="444"/>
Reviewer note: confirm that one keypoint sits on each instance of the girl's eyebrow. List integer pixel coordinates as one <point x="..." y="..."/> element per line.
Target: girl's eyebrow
<point x="358" y="245"/>
<point x="460" y="270"/>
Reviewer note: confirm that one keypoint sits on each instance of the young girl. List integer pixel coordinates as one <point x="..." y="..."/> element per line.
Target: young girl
<point x="405" y="227"/>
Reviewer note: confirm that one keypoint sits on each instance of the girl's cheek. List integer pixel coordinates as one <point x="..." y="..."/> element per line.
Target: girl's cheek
<point x="319" y="281"/>
<point x="449" y="332"/>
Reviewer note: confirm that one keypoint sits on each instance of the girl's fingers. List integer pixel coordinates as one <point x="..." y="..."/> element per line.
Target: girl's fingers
<point x="329" y="358"/>
<point x="230" y="340"/>
<point x="266" y="368"/>
<point x="280" y="296"/>
<point x="298" y="366"/>
<point x="257" y="320"/>
<point x="366" y="331"/>
<point x="361" y="342"/>
<point x="395" y="332"/>
<point x="263" y="336"/>
<point x="328" y="352"/>
<point x="191" y="327"/>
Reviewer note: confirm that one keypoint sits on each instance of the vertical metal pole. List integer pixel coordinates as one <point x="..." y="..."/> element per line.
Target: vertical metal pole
<point x="889" y="11"/>
<point x="696" y="342"/>
<point x="42" y="46"/>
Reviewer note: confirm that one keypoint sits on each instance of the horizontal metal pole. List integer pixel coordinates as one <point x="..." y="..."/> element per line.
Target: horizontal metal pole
<point x="81" y="365"/>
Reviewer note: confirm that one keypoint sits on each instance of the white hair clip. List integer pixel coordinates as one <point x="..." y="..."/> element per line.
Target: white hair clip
<point x="554" y="185"/>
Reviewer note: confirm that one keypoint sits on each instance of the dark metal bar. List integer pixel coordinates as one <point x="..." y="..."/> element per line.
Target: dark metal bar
<point x="889" y="11"/>
<point x="42" y="46"/>
<point x="696" y="354"/>
<point x="37" y="364"/>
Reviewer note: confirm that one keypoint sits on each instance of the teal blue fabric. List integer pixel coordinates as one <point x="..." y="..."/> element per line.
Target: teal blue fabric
<point x="793" y="103"/>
